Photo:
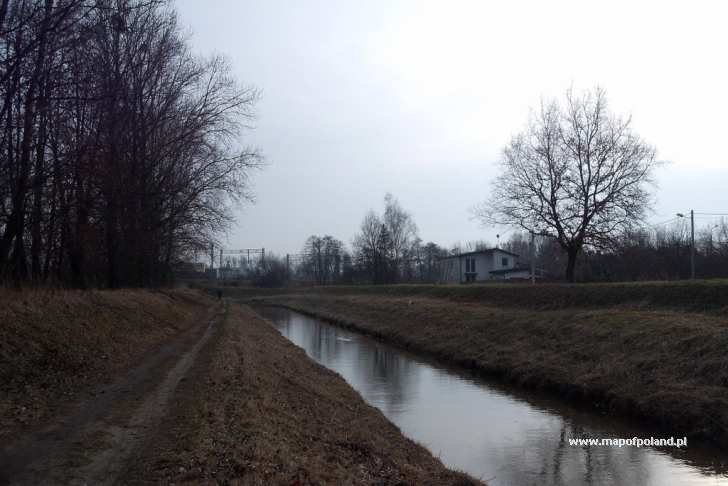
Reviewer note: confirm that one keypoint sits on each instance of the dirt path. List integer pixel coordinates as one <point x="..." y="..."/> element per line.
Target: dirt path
<point x="227" y="400"/>
<point x="95" y="438"/>
<point x="257" y="411"/>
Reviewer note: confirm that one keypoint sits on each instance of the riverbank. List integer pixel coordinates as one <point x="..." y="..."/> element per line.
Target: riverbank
<point x="681" y="295"/>
<point x="139" y="387"/>
<point x="666" y="367"/>
<point x="257" y="410"/>
<point x="57" y="345"/>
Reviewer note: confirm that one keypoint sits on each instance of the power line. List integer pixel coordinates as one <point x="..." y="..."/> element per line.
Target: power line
<point x="674" y="218"/>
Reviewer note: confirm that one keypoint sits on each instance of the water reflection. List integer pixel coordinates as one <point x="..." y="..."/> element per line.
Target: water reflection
<point x="501" y="435"/>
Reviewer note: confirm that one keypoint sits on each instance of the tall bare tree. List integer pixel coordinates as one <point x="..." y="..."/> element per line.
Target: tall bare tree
<point x="370" y="248"/>
<point x="386" y="245"/>
<point x="322" y="259"/>
<point x="578" y="173"/>
<point x="402" y="232"/>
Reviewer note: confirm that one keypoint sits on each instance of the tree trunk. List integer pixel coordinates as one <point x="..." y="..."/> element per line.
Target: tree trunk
<point x="38" y="185"/>
<point x="571" y="253"/>
<point x="112" y="280"/>
<point x="75" y="255"/>
<point x="3" y="13"/>
<point x="20" y="270"/>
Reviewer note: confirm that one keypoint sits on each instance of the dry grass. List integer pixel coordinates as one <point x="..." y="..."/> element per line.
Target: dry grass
<point x="257" y="411"/>
<point x="694" y="296"/>
<point x="57" y="344"/>
<point x="667" y="367"/>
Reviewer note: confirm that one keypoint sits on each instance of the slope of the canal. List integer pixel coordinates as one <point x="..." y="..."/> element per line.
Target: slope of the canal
<point x="504" y="436"/>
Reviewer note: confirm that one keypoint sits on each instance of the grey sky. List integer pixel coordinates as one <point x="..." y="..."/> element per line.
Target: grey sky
<point x="417" y="98"/>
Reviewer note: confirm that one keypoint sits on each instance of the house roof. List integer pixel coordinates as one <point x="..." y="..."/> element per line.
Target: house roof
<point x="481" y="252"/>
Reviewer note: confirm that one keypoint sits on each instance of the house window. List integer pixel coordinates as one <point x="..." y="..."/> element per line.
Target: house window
<point x="504" y="261"/>
<point x="470" y="265"/>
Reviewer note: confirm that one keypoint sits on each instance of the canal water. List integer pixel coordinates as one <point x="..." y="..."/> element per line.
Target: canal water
<point x="499" y="434"/>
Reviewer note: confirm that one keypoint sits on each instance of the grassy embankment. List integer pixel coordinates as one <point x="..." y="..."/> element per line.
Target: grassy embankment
<point x="257" y="410"/>
<point x="656" y="351"/>
<point x="252" y="409"/>
<point x="697" y="296"/>
<point x="55" y="345"/>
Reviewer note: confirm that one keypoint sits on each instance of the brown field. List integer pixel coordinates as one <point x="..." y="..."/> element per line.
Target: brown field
<point x="665" y="366"/>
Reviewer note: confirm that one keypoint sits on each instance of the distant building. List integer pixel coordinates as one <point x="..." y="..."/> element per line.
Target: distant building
<point x="482" y="266"/>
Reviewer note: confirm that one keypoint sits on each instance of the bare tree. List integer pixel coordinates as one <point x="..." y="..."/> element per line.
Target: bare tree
<point x="578" y="173"/>
<point x="401" y="230"/>
<point x="370" y="249"/>
<point x="429" y="267"/>
<point x="387" y="245"/>
<point x="120" y="150"/>
<point x="322" y="259"/>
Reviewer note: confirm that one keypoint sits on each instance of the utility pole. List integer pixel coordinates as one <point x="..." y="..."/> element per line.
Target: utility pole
<point x="212" y="256"/>
<point x="692" y="244"/>
<point x="532" y="251"/>
<point x="319" y="269"/>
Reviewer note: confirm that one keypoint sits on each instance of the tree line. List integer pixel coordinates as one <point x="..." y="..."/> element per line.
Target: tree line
<point x="386" y="250"/>
<point x="646" y="253"/>
<point x="120" y="149"/>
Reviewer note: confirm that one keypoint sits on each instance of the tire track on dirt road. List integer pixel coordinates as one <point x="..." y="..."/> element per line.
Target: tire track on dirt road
<point x="93" y="442"/>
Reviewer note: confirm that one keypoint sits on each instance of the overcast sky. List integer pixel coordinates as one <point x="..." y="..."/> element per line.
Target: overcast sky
<point x="417" y="98"/>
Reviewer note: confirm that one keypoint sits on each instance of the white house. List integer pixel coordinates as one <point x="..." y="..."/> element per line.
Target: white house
<point x="481" y="266"/>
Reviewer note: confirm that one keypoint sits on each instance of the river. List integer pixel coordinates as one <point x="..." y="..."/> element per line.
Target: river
<point x="501" y="434"/>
